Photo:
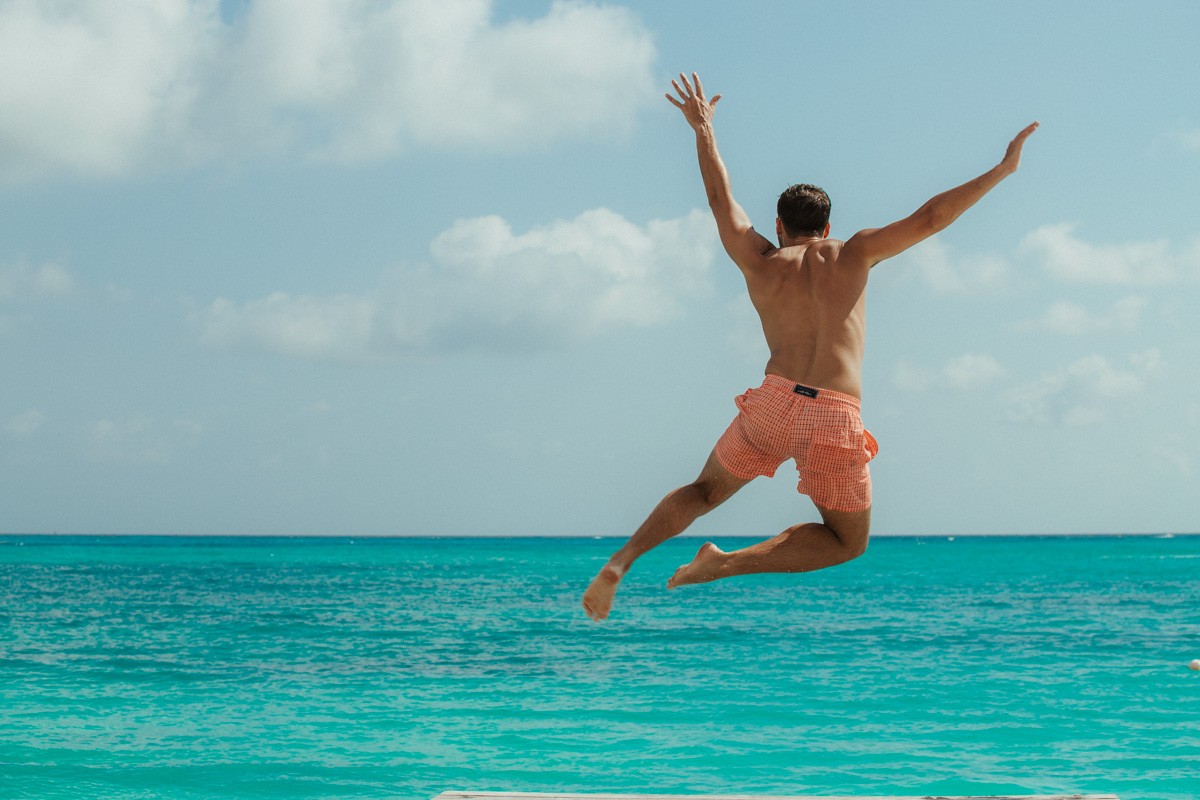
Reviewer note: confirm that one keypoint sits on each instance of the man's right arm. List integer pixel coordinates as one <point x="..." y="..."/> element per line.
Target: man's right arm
<point x="876" y="244"/>
<point x="744" y="245"/>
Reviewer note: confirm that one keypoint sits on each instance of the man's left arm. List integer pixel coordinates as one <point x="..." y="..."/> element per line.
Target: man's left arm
<point x="743" y="244"/>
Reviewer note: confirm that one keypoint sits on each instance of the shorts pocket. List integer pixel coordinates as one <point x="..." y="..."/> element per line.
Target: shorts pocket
<point x="871" y="444"/>
<point x="840" y="446"/>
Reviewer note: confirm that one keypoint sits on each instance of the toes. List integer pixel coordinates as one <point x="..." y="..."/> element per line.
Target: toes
<point x="593" y="611"/>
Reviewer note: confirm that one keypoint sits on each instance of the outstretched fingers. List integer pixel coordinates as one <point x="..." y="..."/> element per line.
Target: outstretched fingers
<point x="683" y="89"/>
<point x="1012" y="156"/>
<point x="1026" y="131"/>
<point x="689" y="91"/>
<point x="684" y="92"/>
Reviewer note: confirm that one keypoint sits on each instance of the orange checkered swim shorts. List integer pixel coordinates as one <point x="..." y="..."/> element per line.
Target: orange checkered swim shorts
<point x="819" y="428"/>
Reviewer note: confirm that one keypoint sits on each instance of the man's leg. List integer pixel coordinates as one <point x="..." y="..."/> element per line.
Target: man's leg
<point x="802" y="548"/>
<point x="671" y="517"/>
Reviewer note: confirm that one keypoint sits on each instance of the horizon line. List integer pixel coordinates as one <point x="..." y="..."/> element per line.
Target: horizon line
<point x="143" y="535"/>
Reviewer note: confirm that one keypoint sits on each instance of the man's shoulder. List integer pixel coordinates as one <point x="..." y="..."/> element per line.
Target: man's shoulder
<point x="824" y="247"/>
<point x="824" y="250"/>
<point x="836" y="250"/>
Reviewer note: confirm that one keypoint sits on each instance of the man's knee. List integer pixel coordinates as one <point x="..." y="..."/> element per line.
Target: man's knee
<point x="855" y="544"/>
<point x="708" y="494"/>
<point x="852" y="529"/>
<point x="715" y="484"/>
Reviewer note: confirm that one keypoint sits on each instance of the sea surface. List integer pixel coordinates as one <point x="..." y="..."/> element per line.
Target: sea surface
<point x="135" y="667"/>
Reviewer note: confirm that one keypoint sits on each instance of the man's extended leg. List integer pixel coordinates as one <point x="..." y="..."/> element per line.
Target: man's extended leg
<point x="802" y="548"/>
<point x="671" y="517"/>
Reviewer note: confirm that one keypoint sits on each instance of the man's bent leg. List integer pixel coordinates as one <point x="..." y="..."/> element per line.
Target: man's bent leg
<point x="671" y="517"/>
<point x="841" y="537"/>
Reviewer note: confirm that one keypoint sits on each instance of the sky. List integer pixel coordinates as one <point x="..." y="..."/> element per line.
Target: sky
<point x="418" y="267"/>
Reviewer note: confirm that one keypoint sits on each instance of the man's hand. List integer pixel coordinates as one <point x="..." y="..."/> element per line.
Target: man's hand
<point x="696" y="110"/>
<point x="874" y="245"/>
<point x="744" y="245"/>
<point x="1012" y="156"/>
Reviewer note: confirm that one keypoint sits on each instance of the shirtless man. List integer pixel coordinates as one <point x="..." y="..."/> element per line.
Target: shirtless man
<point x="810" y="296"/>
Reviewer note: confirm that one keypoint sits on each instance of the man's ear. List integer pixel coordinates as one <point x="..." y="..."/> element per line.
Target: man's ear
<point x="825" y="234"/>
<point x="779" y="230"/>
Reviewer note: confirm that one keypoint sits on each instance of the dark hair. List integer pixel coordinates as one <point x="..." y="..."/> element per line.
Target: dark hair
<point x="803" y="209"/>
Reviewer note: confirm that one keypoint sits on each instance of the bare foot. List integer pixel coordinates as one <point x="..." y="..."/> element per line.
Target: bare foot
<point x="705" y="567"/>
<point x="598" y="599"/>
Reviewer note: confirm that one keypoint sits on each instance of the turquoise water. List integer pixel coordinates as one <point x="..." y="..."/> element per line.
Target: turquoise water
<point x="315" y="668"/>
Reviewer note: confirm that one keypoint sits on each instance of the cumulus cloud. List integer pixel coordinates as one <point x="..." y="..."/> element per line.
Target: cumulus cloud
<point x="971" y="371"/>
<point x="490" y="288"/>
<point x="1189" y="139"/>
<point x="1069" y="318"/>
<point x="22" y="281"/>
<point x="1068" y="258"/>
<point x="87" y="85"/>
<point x="745" y="332"/>
<point x="97" y="88"/>
<point x="909" y="378"/>
<point x="947" y="272"/>
<point x="1172" y="461"/>
<point x="141" y="440"/>
<point x="24" y="425"/>
<point x="1085" y="392"/>
<point x="337" y="327"/>
<point x="967" y="372"/>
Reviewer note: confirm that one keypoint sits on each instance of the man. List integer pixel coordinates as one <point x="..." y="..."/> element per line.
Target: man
<point x="810" y="296"/>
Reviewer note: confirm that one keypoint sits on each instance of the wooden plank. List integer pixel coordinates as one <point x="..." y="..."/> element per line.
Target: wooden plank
<point x="604" y="796"/>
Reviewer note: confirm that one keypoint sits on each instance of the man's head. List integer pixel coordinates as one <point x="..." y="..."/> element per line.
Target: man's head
<point x="803" y="210"/>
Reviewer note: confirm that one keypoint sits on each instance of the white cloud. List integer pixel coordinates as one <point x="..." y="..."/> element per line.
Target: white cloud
<point x="971" y="371"/>
<point x="1189" y="139"/>
<point x="87" y="84"/>
<point x="24" y="425"/>
<point x="746" y="333"/>
<point x="1070" y="318"/>
<point x="21" y="281"/>
<point x="948" y="272"/>
<point x="1173" y="462"/>
<point x="140" y="440"/>
<point x="967" y="372"/>
<point x="1085" y="391"/>
<point x="490" y="288"/>
<point x="1068" y="258"/>
<point x="97" y="88"/>
<point x="908" y="378"/>
<point x="322" y="327"/>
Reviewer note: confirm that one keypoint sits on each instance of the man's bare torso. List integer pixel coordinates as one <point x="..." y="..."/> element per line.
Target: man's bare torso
<point x="811" y="299"/>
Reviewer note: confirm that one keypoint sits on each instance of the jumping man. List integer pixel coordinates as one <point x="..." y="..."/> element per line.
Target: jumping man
<point x="810" y="296"/>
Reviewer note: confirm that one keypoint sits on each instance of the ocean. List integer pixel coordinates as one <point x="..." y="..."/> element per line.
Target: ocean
<point x="164" y="667"/>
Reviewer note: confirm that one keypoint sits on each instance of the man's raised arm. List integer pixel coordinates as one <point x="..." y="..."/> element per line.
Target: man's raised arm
<point x="738" y="236"/>
<point x="876" y="244"/>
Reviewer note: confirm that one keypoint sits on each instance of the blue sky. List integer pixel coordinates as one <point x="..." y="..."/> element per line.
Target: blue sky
<point x="444" y="268"/>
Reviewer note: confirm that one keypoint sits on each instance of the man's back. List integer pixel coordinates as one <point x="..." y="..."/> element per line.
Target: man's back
<point x="809" y="291"/>
<point x="810" y="297"/>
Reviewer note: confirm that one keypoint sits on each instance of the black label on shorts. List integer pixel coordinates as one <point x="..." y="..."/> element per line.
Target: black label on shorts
<point x="807" y="391"/>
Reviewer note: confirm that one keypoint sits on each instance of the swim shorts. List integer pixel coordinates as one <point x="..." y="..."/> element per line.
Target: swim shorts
<point x="821" y="429"/>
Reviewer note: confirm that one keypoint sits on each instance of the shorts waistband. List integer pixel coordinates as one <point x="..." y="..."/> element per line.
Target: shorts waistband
<point x="815" y="392"/>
